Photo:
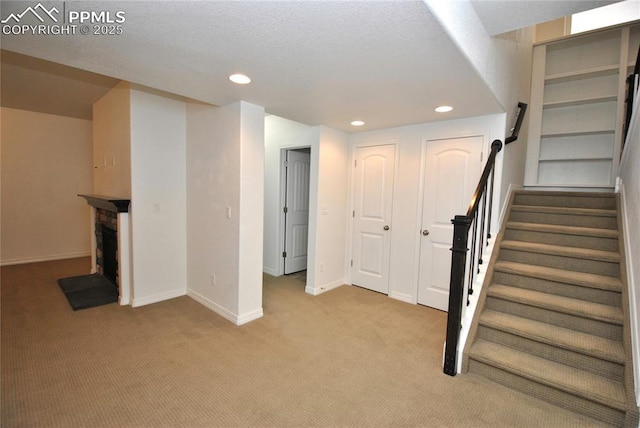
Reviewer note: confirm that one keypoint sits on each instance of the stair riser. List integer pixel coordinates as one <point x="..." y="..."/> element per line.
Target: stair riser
<point x="600" y="222"/>
<point x="563" y="200"/>
<point x="565" y="240"/>
<point x="547" y="393"/>
<point x="598" y="366"/>
<point x="606" y="297"/>
<point x="598" y="267"/>
<point x="574" y="322"/>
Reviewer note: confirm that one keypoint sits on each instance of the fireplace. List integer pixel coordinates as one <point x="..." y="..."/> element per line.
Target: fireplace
<point x="111" y="243"/>
<point x="109" y="254"/>
<point x="106" y="249"/>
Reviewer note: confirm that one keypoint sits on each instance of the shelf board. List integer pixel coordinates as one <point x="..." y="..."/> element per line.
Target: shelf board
<point x="608" y="159"/>
<point x="582" y="74"/>
<point x="577" y="133"/>
<point x="568" y="186"/>
<point x="580" y="101"/>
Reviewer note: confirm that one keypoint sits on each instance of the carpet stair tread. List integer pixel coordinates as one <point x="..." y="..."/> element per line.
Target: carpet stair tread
<point x="565" y="210"/>
<point x="567" y="305"/>
<point x="550" y="320"/>
<point x="584" y="279"/>
<point x="568" y="379"/>
<point x="558" y="250"/>
<point x="562" y="229"/>
<point x="565" y="198"/>
<point x="576" y="341"/>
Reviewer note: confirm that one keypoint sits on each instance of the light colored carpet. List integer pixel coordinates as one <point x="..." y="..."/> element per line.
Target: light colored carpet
<point x="349" y="357"/>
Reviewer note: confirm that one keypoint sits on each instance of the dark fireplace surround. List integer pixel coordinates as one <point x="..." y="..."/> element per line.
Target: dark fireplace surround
<point x="106" y="210"/>
<point x="106" y="228"/>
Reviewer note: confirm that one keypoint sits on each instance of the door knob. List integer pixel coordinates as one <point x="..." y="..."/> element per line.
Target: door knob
<point x="386" y="228"/>
<point x="425" y="232"/>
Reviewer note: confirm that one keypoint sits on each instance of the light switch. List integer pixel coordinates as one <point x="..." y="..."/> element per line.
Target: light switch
<point x="228" y="212"/>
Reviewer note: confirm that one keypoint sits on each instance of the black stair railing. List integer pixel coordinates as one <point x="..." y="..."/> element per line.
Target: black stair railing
<point x="471" y="232"/>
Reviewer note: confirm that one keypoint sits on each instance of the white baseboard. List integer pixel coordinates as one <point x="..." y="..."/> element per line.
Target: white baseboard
<point x="155" y="298"/>
<point x="22" y="261"/>
<point x="249" y="316"/>
<point x="403" y="297"/>
<point x="314" y="291"/>
<point x="224" y="312"/>
<point x="634" y="314"/>
<point x="269" y="271"/>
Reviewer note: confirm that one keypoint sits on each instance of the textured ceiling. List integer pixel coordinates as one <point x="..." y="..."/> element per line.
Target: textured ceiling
<point x="317" y="62"/>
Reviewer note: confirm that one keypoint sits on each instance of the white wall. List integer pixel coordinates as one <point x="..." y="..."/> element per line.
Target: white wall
<point x="46" y="162"/>
<point x="407" y="197"/>
<point x="112" y="143"/>
<point x="251" y="212"/>
<point x="212" y="185"/>
<point x="158" y="197"/>
<point x="630" y="175"/>
<point x="328" y="211"/>
<point x="219" y="247"/>
<point x="280" y="134"/>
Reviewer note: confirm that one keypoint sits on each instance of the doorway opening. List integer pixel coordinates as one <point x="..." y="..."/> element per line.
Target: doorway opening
<point x="295" y="169"/>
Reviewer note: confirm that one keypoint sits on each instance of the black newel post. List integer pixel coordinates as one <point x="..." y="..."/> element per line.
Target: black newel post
<point x="459" y="250"/>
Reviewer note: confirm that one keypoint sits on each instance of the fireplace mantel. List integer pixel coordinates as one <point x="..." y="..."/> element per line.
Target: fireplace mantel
<point x="109" y="203"/>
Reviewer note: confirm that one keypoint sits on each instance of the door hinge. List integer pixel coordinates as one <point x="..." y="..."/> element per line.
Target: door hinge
<point x="353" y="214"/>
<point x="284" y="254"/>
<point x="286" y="164"/>
<point x="351" y="263"/>
<point x="481" y="156"/>
<point x="285" y="210"/>
<point x="355" y="163"/>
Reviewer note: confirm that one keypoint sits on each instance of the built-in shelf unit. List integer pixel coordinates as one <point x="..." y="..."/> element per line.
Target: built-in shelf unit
<point x="577" y="108"/>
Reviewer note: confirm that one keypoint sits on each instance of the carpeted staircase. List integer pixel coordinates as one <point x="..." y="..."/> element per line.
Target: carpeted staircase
<point x="552" y="319"/>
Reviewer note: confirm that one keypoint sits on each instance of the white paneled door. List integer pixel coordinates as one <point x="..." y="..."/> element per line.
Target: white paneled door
<point x="296" y="211"/>
<point x="452" y="170"/>
<point x="373" y="199"/>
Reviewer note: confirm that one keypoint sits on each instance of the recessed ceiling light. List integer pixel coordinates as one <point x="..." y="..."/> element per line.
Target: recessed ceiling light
<point x="240" y="79"/>
<point x="444" y="109"/>
<point x="357" y="123"/>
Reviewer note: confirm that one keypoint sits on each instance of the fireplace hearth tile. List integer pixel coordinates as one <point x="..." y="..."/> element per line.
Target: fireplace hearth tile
<point x="88" y="291"/>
